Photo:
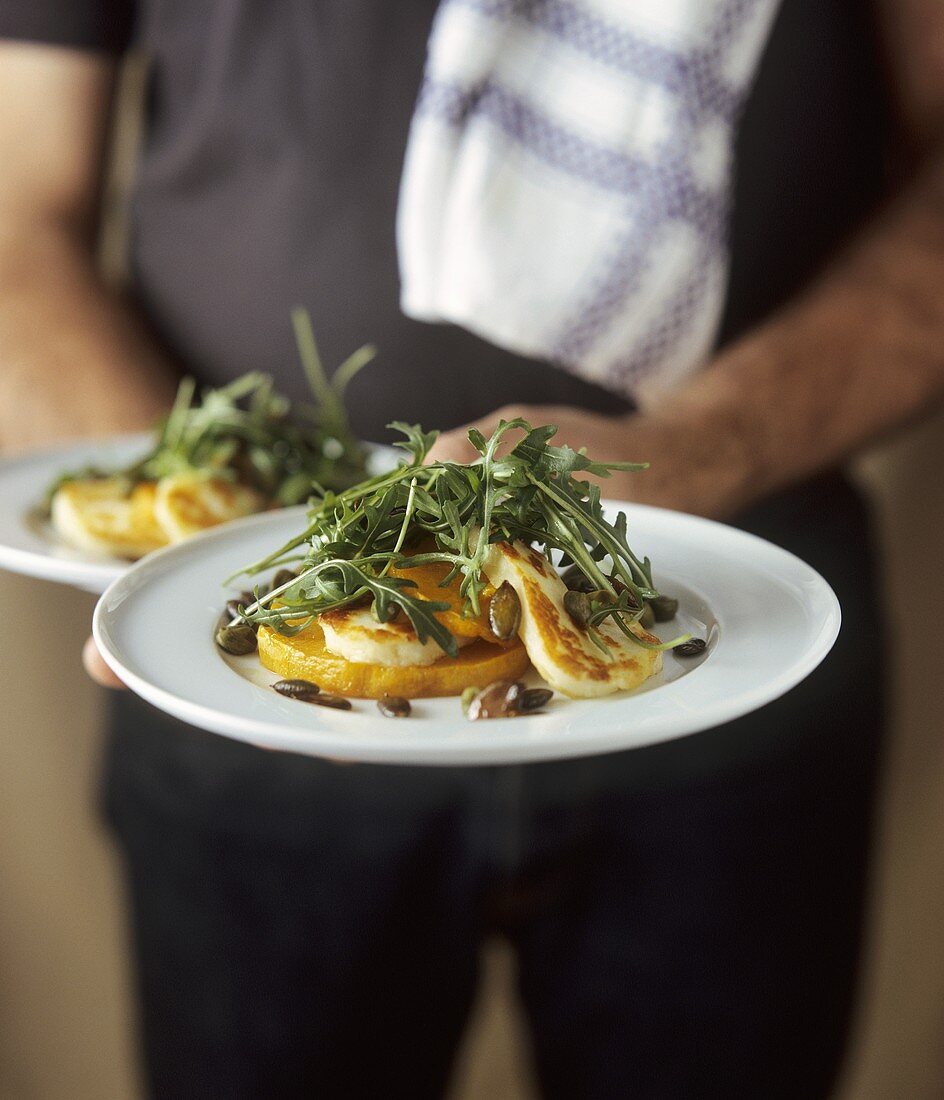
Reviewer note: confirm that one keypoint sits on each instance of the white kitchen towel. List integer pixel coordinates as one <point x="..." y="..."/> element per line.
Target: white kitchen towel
<point x="567" y="178"/>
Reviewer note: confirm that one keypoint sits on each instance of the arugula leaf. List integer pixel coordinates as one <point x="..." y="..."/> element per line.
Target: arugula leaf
<point x="242" y="432"/>
<point x="337" y="579"/>
<point x="451" y="513"/>
<point x="417" y="443"/>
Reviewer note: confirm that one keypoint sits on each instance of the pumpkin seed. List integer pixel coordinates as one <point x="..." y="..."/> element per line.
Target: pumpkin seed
<point x="694" y="648"/>
<point x="302" y="690"/>
<point x="620" y="588"/>
<point x="468" y="694"/>
<point x="504" y="612"/>
<point x="232" y="612"/>
<point x="238" y="639"/>
<point x="664" y="608"/>
<point x="577" y="606"/>
<point x="498" y="700"/>
<point x="534" y="699"/>
<point x="336" y="702"/>
<point x="284" y="576"/>
<point x="576" y="581"/>
<point x="394" y="706"/>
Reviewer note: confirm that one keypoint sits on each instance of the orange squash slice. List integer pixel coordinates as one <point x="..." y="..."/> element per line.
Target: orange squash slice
<point x="306" y="657"/>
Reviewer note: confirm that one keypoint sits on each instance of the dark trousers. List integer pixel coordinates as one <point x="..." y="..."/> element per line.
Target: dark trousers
<point x="686" y="918"/>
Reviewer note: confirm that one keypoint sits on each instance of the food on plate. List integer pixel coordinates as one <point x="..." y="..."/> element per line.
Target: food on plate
<point x="564" y="652"/>
<point x="229" y="453"/>
<point x="307" y="655"/>
<point x="394" y="706"/>
<point x="441" y="578"/>
<point x="104" y="516"/>
<point x="504" y="699"/>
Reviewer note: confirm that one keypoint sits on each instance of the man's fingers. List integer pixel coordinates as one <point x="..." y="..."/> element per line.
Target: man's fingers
<point x="96" y="667"/>
<point x="453" y="447"/>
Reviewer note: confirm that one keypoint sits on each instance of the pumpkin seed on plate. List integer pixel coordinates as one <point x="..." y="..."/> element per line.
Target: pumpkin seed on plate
<point x="238" y="639"/>
<point x="498" y="700"/>
<point x="394" y="706"/>
<point x="336" y="702"/>
<point x="576" y="581"/>
<point x="468" y="694"/>
<point x="664" y="608"/>
<point x="232" y="612"/>
<point x="534" y="698"/>
<point x="577" y="606"/>
<point x="504" y="612"/>
<point x="302" y="690"/>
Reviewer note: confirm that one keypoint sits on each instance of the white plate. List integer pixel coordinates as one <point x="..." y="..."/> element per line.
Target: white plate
<point x="29" y="544"/>
<point x="769" y="618"/>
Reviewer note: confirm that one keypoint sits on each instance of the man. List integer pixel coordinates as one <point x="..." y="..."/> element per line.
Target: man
<point x="686" y="918"/>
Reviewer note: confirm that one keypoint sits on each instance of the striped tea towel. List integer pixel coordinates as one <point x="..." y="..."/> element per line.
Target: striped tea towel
<point x="567" y="177"/>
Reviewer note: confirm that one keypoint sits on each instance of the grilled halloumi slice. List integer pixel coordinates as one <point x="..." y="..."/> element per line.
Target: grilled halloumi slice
<point x="186" y="504"/>
<point x="564" y="655"/>
<point x="354" y="633"/>
<point x="98" y="515"/>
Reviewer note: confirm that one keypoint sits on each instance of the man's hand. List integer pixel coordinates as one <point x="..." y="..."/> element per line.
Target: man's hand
<point x="854" y="357"/>
<point x="575" y="427"/>
<point x="692" y="468"/>
<point x="96" y="667"/>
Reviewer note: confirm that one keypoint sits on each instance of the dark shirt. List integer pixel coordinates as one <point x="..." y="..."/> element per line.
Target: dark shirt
<point x="273" y="145"/>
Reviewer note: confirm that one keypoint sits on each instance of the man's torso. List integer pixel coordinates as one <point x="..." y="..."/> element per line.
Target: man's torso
<point x="269" y="177"/>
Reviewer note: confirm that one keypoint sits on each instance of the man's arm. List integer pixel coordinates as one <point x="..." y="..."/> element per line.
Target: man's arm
<point x="859" y="354"/>
<point x="74" y="359"/>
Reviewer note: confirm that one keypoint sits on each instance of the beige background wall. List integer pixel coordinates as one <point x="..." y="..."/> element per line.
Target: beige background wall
<point x="65" y="1010"/>
<point x="900" y="1047"/>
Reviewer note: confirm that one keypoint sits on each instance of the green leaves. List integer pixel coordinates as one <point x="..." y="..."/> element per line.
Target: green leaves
<point x="417" y="443"/>
<point x="392" y="592"/>
<point x="545" y="460"/>
<point x="242" y="432"/>
<point x="339" y="582"/>
<point x="478" y="441"/>
<point x="438" y="512"/>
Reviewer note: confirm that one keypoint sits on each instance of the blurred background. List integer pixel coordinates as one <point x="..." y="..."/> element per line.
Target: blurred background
<point x="65" y="1000"/>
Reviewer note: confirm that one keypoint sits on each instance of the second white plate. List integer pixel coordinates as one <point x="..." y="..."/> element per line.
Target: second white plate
<point x="28" y="542"/>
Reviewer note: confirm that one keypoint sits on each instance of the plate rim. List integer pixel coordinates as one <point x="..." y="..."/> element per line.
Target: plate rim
<point x="382" y="749"/>
<point x="84" y="573"/>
